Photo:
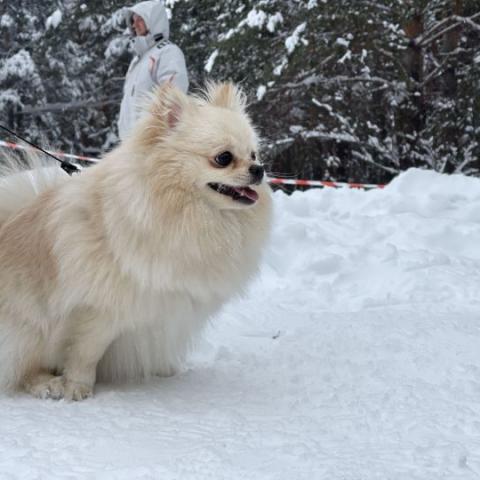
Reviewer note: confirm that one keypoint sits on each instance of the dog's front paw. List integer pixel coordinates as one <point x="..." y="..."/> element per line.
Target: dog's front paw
<point x="52" y="388"/>
<point x="77" y="391"/>
<point x="57" y="388"/>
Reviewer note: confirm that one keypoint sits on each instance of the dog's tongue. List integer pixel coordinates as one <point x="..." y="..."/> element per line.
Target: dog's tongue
<point x="247" y="192"/>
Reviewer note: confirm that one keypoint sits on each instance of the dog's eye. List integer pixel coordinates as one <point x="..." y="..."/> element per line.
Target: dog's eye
<point x="253" y="156"/>
<point x="224" y="159"/>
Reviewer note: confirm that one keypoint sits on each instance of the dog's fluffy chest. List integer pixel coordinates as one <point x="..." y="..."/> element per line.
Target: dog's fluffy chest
<point x="210" y="262"/>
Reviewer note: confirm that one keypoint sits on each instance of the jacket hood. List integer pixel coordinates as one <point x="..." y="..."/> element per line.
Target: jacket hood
<point x="154" y="15"/>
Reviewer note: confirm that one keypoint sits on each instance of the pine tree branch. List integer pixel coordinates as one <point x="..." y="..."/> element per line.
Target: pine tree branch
<point x="438" y="70"/>
<point x="423" y="42"/>
<point x="469" y="21"/>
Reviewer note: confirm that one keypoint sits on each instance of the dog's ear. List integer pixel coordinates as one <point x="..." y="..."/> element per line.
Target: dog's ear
<point x="168" y="105"/>
<point x="226" y="95"/>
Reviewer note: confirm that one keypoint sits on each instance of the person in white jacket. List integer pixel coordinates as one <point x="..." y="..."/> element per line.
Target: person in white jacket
<point x="157" y="60"/>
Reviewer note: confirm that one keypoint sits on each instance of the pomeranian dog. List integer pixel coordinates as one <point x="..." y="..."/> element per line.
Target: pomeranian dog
<point x="109" y="275"/>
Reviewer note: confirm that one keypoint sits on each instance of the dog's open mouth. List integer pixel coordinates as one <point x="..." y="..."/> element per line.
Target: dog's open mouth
<point x="245" y="195"/>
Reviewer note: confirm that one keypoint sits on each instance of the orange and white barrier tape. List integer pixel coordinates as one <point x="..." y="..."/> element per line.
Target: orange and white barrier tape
<point x="271" y="180"/>
<point x="320" y="183"/>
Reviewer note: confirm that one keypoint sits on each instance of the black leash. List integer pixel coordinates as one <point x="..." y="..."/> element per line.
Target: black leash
<point x="64" y="164"/>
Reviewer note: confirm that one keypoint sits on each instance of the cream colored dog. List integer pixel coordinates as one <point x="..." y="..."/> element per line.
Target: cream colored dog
<point x="111" y="273"/>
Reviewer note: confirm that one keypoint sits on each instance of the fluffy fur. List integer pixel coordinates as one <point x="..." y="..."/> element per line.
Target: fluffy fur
<point x="111" y="273"/>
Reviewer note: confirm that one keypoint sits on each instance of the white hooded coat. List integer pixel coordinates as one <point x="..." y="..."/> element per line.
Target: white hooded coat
<point x="156" y="61"/>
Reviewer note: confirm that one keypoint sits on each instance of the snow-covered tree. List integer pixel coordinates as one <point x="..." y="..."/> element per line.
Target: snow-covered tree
<point x="345" y="90"/>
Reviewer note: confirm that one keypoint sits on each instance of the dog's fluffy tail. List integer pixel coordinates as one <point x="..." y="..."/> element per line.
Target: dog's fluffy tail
<point x="22" y="179"/>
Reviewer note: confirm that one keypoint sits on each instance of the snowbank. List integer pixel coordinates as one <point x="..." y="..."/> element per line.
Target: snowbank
<point x="354" y="356"/>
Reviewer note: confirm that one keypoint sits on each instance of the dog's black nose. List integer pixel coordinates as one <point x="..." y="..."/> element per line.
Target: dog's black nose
<point x="256" y="171"/>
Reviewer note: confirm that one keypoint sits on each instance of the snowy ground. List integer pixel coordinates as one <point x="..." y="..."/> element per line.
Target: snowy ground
<point x="356" y="355"/>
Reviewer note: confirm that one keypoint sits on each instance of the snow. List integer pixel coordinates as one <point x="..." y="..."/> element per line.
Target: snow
<point x="9" y="97"/>
<point x="116" y="47"/>
<point x="256" y="18"/>
<point x="171" y="3"/>
<point x="211" y="61"/>
<point x="19" y="65"/>
<point x="292" y="41"/>
<point x="354" y="355"/>
<point x="342" y="42"/>
<point x="54" y="20"/>
<point x="6" y="21"/>
<point x="273" y="21"/>
<point x="346" y="56"/>
<point x="261" y="91"/>
<point x="88" y="24"/>
<point x="277" y="71"/>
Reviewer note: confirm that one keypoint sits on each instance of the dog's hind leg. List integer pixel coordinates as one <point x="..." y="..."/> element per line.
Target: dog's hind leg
<point x="20" y="352"/>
